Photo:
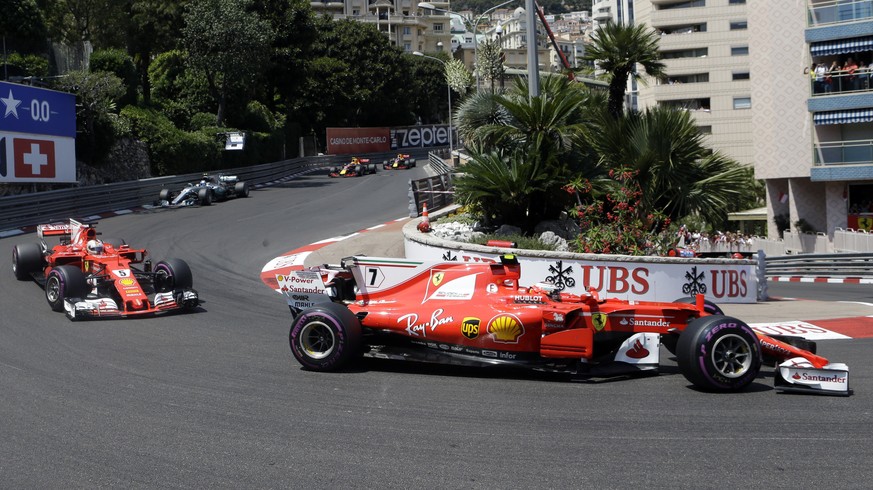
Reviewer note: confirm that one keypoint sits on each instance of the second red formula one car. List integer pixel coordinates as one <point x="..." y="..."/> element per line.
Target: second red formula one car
<point x="476" y="313"/>
<point x="89" y="278"/>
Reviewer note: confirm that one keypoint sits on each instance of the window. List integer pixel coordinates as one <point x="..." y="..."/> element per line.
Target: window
<point x="688" y="104"/>
<point x="683" y="29"/>
<point x="742" y="102"/>
<point x="407" y="31"/>
<point x="407" y="47"/>
<point x="695" y="78"/>
<point x="683" y="5"/>
<point x="743" y="75"/>
<point x="739" y="25"/>
<point x="705" y="129"/>
<point x="739" y="50"/>
<point x="737" y="2"/>
<point x="685" y="53"/>
<point x="438" y="27"/>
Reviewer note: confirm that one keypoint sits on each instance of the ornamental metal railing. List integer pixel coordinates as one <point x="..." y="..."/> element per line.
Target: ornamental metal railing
<point x="844" y="153"/>
<point x="838" y="12"/>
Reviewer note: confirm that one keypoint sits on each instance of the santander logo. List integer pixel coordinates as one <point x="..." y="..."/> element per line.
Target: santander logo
<point x="638" y="351"/>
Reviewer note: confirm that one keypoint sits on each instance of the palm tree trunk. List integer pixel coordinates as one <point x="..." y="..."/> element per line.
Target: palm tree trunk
<point x="617" y="88"/>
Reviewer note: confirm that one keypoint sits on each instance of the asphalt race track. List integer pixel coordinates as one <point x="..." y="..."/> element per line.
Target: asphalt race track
<point x="215" y="399"/>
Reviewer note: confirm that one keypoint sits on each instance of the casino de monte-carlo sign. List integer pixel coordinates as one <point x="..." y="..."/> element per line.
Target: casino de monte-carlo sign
<point x="37" y="135"/>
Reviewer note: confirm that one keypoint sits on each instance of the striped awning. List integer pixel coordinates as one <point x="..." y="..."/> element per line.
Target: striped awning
<point x="843" y="117"/>
<point x="842" y="46"/>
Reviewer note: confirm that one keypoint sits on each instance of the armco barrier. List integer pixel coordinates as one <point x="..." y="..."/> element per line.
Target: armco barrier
<point x="39" y="207"/>
<point x="821" y="265"/>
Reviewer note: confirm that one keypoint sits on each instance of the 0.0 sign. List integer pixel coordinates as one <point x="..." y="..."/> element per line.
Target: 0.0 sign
<point x="39" y="110"/>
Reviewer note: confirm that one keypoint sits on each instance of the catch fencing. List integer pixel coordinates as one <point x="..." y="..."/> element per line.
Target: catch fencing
<point x="41" y="207"/>
<point x="437" y="191"/>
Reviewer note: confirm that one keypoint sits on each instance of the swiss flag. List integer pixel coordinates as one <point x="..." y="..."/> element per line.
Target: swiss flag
<point x="34" y="158"/>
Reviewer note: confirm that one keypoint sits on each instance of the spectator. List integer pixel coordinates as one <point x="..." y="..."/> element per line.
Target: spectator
<point x="833" y="80"/>
<point x="851" y="79"/>
<point x="819" y="78"/>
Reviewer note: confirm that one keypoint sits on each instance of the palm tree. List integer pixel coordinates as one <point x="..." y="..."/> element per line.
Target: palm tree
<point x="545" y="133"/>
<point x="617" y="49"/>
<point x="677" y="173"/>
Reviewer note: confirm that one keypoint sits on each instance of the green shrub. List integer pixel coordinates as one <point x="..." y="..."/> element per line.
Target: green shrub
<point x="172" y="151"/>
<point x="27" y="65"/>
<point x="120" y="64"/>
<point x="203" y="120"/>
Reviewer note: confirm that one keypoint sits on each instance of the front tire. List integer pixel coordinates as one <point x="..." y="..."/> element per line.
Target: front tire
<point x="204" y="197"/>
<point x="326" y="337"/>
<point x="172" y="274"/>
<point x="64" y="281"/>
<point x="719" y="353"/>
<point x="27" y="259"/>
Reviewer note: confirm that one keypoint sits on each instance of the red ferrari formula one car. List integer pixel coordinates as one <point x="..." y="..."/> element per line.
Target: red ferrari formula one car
<point x="87" y="277"/>
<point x="476" y="313"/>
<point x="356" y="168"/>
<point x="401" y="162"/>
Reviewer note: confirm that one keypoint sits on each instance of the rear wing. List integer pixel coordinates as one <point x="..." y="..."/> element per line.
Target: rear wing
<point x="74" y="230"/>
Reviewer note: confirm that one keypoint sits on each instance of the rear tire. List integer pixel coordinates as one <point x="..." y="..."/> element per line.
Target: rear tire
<point x="719" y="353"/>
<point x="326" y="337"/>
<point x="204" y="197"/>
<point x="241" y="189"/>
<point x="27" y="259"/>
<point x="64" y="281"/>
<point x="172" y="274"/>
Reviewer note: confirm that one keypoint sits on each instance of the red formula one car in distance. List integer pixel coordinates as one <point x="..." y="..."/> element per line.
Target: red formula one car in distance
<point x="87" y="277"/>
<point x="476" y="313"/>
<point x="356" y="168"/>
<point x="401" y="162"/>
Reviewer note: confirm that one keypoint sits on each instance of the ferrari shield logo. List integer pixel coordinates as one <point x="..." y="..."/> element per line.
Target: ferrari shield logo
<point x="438" y="278"/>
<point x="599" y="321"/>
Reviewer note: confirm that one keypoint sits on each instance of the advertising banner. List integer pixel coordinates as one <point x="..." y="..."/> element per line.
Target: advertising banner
<point x="351" y="141"/>
<point x="37" y="135"/>
<point x="667" y="281"/>
<point x="420" y="136"/>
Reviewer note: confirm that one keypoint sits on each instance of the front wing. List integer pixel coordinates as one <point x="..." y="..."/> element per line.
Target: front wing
<point x="92" y="308"/>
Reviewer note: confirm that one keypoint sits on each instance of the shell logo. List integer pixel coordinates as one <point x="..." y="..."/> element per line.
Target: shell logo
<point x="505" y="329"/>
<point x="127" y="282"/>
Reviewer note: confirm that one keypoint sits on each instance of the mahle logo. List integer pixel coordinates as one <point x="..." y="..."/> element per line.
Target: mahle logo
<point x="470" y="327"/>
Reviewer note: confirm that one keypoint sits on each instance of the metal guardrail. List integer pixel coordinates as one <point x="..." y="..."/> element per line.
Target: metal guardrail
<point x="39" y="207"/>
<point x="838" y="265"/>
<point x="437" y="191"/>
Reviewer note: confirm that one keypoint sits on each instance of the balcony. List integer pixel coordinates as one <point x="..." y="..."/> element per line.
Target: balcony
<point x="844" y="153"/>
<point x="838" y="12"/>
<point x="836" y="84"/>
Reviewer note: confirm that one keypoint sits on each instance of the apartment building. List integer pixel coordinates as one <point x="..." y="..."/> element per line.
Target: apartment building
<point x="617" y="11"/>
<point x="705" y="48"/>
<point x="405" y="24"/>
<point x="813" y="139"/>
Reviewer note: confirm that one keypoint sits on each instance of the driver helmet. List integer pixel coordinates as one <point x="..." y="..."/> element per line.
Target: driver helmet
<point x="94" y="247"/>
